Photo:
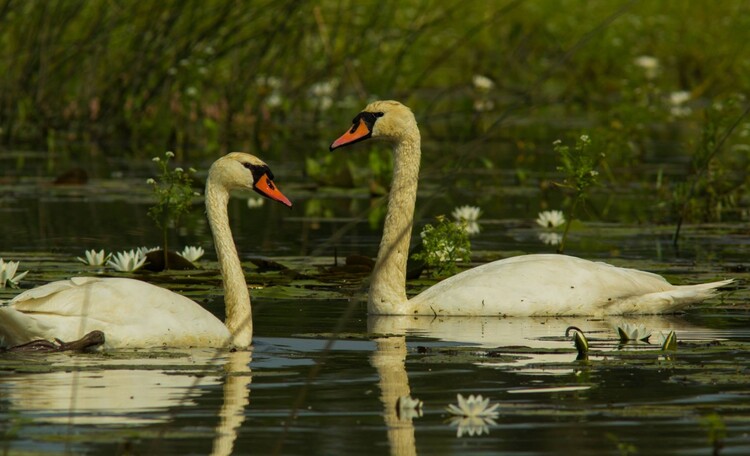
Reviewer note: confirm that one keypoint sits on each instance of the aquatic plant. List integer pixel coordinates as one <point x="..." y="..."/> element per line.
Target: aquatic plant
<point x="127" y="261"/>
<point x="627" y="332"/>
<point x="578" y="166"/>
<point x="174" y="196"/>
<point x="408" y="407"/>
<point x="467" y="217"/>
<point x="8" y="276"/>
<point x="473" y="407"/>
<point x="580" y="342"/>
<point x="443" y="245"/>
<point x="668" y="342"/>
<point x="94" y="258"/>
<point x="716" y="431"/>
<point x="192" y="254"/>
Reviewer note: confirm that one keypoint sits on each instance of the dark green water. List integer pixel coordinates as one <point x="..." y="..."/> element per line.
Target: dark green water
<point x="323" y="378"/>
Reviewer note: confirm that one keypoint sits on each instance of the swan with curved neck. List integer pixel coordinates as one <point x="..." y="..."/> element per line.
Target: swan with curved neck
<point x="526" y="285"/>
<point x="132" y="313"/>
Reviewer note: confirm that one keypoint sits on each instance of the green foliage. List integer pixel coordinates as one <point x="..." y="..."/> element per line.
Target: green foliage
<point x="716" y="431"/>
<point x="174" y="196"/>
<point x="623" y="448"/>
<point x="715" y="185"/>
<point x="444" y="245"/>
<point x="578" y="166"/>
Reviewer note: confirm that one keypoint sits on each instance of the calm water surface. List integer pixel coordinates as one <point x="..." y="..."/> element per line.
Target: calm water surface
<point x="323" y="378"/>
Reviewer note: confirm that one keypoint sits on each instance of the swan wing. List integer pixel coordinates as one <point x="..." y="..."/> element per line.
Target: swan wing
<point x="129" y="312"/>
<point x="547" y="285"/>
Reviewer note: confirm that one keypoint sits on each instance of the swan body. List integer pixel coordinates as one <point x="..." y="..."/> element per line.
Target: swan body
<point x="133" y="313"/>
<point x="527" y="285"/>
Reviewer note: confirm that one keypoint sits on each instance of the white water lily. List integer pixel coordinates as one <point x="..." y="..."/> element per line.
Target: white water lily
<point x="474" y="406"/>
<point x="254" y="203"/>
<point x="127" y="261"/>
<point x="550" y="219"/>
<point x="470" y="215"/>
<point x="8" y="276"/>
<point x="408" y="407"/>
<point x="144" y="250"/>
<point x="473" y="426"/>
<point x="627" y="332"/>
<point x="550" y="238"/>
<point x="192" y="254"/>
<point x="94" y="258"/>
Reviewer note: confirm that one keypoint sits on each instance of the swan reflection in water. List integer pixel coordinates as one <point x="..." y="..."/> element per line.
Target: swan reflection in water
<point x="390" y="354"/>
<point x="117" y="392"/>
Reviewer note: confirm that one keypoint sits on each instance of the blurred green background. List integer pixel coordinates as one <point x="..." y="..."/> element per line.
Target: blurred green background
<point x="492" y="83"/>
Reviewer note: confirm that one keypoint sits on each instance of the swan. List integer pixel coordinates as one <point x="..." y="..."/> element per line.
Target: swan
<point x="526" y="285"/>
<point x="132" y="313"/>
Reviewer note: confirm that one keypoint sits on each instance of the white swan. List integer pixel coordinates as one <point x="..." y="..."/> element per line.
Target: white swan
<point x="132" y="313"/>
<point x="527" y="285"/>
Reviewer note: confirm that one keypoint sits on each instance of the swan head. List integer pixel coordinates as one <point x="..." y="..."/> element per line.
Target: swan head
<point x="388" y="120"/>
<point x="241" y="171"/>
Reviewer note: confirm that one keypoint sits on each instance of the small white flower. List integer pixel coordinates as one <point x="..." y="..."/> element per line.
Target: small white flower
<point x="585" y="139"/>
<point x="677" y="102"/>
<point x="408" y="408"/>
<point x="649" y="64"/>
<point x="169" y="154"/>
<point x="274" y="100"/>
<point x="483" y="105"/>
<point x="192" y="170"/>
<point x="150" y="181"/>
<point x="473" y="407"/>
<point x="679" y="97"/>
<point x="178" y="170"/>
<point x="127" y="261"/>
<point x="627" y="332"/>
<point x="482" y="83"/>
<point x="550" y="238"/>
<point x="94" y="258"/>
<point x="254" y="203"/>
<point x="156" y="159"/>
<point x="8" y="275"/>
<point x="192" y="254"/>
<point x="191" y="91"/>
<point x="550" y="219"/>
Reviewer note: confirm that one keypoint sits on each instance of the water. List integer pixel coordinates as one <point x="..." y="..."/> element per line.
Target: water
<point x="323" y="377"/>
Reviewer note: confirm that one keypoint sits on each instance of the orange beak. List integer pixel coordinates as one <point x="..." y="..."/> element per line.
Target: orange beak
<point x="358" y="132"/>
<point x="267" y="188"/>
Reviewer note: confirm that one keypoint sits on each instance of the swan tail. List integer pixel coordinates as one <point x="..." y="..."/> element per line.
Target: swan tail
<point x="668" y="301"/>
<point x="18" y="328"/>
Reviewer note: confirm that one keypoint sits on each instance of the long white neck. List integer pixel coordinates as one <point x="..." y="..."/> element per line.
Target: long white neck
<point x="388" y="283"/>
<point x="236" y="296"/>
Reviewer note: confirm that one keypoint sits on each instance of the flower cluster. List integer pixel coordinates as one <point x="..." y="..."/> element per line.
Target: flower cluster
<point x="443" y="245"/>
